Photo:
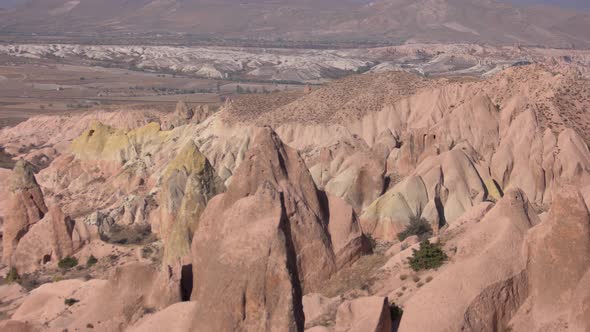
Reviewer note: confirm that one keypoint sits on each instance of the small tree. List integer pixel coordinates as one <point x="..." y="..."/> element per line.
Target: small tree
<point x="418" y="226"/>
<point x="429" y="256"/>
<point x="12" y="276"/>
<point x="67" y="263"/>
<point x="91" y="261"/>
<point x="70" y="301"/>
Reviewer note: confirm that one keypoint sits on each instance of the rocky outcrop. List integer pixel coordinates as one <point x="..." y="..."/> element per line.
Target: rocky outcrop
<point x="320" y="310"/>
<point x="25" y="207"/>
<point x="348" y="241"/>
<point x="440" y="190"/>
<point x="371" y="314"/>
<point x="102" y="142"/>
<point x="48" y="240"/>
<point x="278" y="221"/>
<point x="229" y="286"/>
<point x="105" y="305"/>
<point x="177" y="317"/>
<point x="185" y="114"/>
<point x="492" y="269"/>
<point x="189" y="183"/>
<point x="557" y="268"/>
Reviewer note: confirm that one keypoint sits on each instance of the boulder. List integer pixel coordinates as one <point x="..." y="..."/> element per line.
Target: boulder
<point x="177" y="317"/>
<point x="365" y="314"/>
<point x="348" y="241"/>
<point x="319" y="309"/>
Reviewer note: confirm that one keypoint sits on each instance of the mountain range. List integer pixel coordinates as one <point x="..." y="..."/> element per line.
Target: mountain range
<point x="389" y="21"/>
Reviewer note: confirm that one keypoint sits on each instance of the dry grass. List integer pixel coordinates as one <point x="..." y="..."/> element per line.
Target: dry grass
<point x="361" y="275"/>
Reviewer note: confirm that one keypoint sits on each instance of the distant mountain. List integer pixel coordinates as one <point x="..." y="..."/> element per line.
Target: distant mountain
<point x="393" y="21"/>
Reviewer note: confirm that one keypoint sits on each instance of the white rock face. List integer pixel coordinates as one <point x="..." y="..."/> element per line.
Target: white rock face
<point x="307" y="65"/>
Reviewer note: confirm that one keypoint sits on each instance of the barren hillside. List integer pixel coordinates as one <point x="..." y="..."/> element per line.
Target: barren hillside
<point x="390" y="21"/>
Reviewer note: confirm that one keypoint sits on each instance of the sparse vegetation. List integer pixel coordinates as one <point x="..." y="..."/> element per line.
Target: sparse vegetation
<point x="403" y="276"/>
<point x="146" y="252"/>
<point x="67" y="263"/>
<point x="416" y="278"/>
<point x="91" y="261"/>
<point x="418" y="226"/>
<point x="372" y="241"/>
<point x="70" y="302"/>
<point x="12" y="276"/>
<point x="396" y="312"/>
<point x="429" y="256"/>
<point x="429" y="279"/>
<point x="420" y="284"/>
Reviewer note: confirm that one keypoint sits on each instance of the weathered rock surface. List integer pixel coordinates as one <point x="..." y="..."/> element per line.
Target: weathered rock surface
<point x="487" y="282"/>
<point x="106" y="305"/>
<point x="557" y="267"/>
<point x="273" y="212"/>
<point x="319" y="309"/>
<point x="364" y="314"/>
<point x="189" y="183"/>
<point x="48" y="240"/>
<point x="25" y="207"/>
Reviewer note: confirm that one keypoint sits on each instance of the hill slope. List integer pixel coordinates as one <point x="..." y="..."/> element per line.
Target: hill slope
<point x="384" y="20"/>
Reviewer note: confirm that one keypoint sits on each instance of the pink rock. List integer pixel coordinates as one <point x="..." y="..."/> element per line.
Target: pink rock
<point x="348" y="242"/>
<point x="49" y="240"/>
<point x="271" y="227"/>
<point x="365" y="314"/>
<point x="26" y="207"/>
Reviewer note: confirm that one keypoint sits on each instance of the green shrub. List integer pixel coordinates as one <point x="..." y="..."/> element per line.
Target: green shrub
<point x="70" y="302"/>
<point x="13" y="276"/>
<point x="372" y="241"/>
<point x="91" y="261"/>
<point x="67" y="263"/>
<point x="429" y="256"/>
<point x="417" y="226"/>
<point x="396" y="312"/>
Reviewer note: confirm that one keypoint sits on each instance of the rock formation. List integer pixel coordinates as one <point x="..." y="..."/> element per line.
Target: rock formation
<point x="273" y="212"/>
<point x="489" y="265"/>
<point x="48" y="240"/>
<point x="282" y="211"/>
<point x="26" y="207"/>
<point x="364" y="314"/>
